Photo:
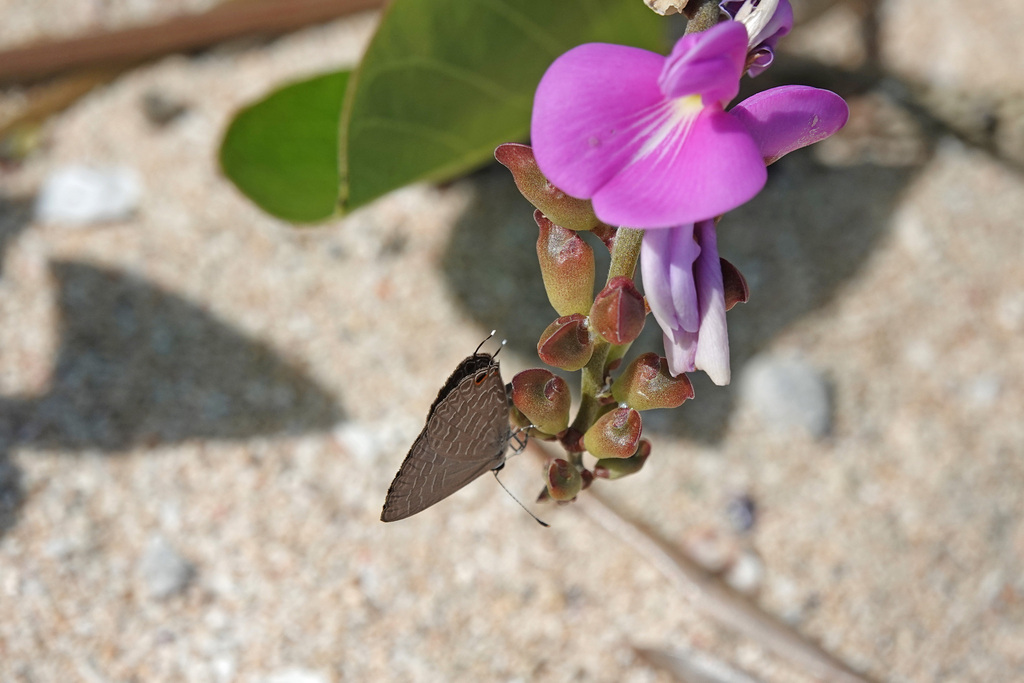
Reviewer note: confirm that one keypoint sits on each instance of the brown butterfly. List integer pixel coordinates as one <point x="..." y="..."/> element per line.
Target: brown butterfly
<point x="466" y="434"/>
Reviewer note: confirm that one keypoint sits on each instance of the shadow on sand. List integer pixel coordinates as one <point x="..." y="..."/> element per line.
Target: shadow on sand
<point x="140" y="366"/>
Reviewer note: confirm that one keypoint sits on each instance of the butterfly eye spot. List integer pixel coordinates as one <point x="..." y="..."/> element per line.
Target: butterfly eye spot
<point x="480" y="377"/>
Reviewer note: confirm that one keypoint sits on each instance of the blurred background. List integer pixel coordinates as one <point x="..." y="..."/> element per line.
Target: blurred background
<point x="201" y="407"/>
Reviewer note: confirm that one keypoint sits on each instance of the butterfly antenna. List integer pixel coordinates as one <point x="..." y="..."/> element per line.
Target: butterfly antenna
<point x="535" y="517"/>
<point x="493" y="332"/>
<point x="503" y="342"/>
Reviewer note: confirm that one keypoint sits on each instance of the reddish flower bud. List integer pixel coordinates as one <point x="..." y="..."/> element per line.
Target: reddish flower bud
<point x="566" y="343"/>
<point x="564" y="480"/>
<point x="647" y="383"/>
<point x="517" y="418"/>
<point x="616" y="468"/>
<point x="569" y="212"/>
<point x="567" y="266"/>
<point x="618" y="312"/>
<point x="543" y="398"/>
<point x="736" y="290"/>
<point x="606" y="234"/>
<point x="615" y="434"/>
<point x="572" y="440"/>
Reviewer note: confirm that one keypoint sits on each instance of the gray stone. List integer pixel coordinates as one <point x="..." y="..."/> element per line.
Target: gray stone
<point x="787" y="392"/>
<point x="81" y="195"/>
<point x="164" y="571"/>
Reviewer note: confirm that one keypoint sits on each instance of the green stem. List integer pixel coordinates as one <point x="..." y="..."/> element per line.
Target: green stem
<point x="625" y="252"/>
<point x="702" y="16"/>
<point x="625" y="255"/>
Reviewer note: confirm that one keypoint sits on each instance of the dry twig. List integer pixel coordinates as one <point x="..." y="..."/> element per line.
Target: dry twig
<point x="715" y="598"/>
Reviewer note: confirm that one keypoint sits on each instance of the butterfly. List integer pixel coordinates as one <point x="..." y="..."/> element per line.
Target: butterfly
<point x="467" y="434"/>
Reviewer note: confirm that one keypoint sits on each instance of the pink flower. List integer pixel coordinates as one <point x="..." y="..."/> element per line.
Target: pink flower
<point x="647" y="139"/>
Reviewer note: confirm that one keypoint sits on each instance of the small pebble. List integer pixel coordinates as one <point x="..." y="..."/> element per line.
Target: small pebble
<point x="161" y="109"/>
<point x="164" y="571"/>
<point x="983" y="391"/>
<point x="746" y="573"/>
<point x="296" y="676"/>
<point x="81" y="195"/>
<point x="742" y="513"/>
<point x="787" y="392"/>
<point x="710" y="548"/>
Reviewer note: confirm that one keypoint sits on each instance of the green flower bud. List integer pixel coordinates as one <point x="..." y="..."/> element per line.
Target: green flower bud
<point x="618" y="312"/>
<point x="543" y="398"/>
<point x="646" y="384"/>
<point x="567" y="266"/>
<point x="569" y="212"/>
<point x="615" y="434"/>
<point x="566" y="343"/>
<point x="564" y="480"/>
<point x="616" y="468"/>
<point x="736" y="290"/>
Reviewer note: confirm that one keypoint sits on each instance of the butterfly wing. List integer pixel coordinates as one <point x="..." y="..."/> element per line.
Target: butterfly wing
<point x="472" y="422"/>
<point x="427" y="477"/>
<point x="465" y="436"/>
<point x="469" y="366"/>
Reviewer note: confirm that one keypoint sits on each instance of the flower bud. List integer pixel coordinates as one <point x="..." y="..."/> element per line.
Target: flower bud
<point x="615" y="434"/>
<point x="606" y="234"/>
<point x="566" y="343"/>
<point x="736" y="290"/>
<point x="567" y="266"/>
<point x="564" y="480"/>
<point x="666" y="7"/>
<point x="569" y="212"/>
<point x="647" y="383"/>
<point x="543" y="398"/>
<point x="572" y="440"/>
<point x="616" y="468"/>
<point x="618" y="312"/>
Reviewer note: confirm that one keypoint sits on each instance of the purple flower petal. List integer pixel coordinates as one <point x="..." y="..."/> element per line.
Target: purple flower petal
<point x="698" y="168"/>
<point x="712" y="354"/>
<point x="790" y="117"/>
<point x="685" y="290"/>
<point x="680" y="351"/>
<point x="780" y="23"/>
<point x="759" y="61"/>
<point x="708" y="64"/>
<point x="590" y="111"/>
<point x="683" y="252"/>
<point x="666" y="263"/>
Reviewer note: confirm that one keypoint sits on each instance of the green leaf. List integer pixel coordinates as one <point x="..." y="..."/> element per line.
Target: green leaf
<point x="282" y="152"/>
<point x="444" y="82"/>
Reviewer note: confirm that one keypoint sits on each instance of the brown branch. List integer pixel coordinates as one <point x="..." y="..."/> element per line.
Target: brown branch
<point x="716" y="598"/>
<point x="181" y="34"/>
<point x="692" y="666"/>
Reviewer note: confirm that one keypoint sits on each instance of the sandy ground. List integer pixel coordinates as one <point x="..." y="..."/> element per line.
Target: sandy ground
<point x="201" y="407"/>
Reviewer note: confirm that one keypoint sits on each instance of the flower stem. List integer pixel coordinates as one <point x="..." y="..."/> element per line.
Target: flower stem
<point x="625" y="255"/>
<point x="702" y="16"/>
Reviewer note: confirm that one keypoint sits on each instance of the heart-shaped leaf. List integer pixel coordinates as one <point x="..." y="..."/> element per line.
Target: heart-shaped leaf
<point x="442" y="84"/>
<point x="282" y="152"/>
